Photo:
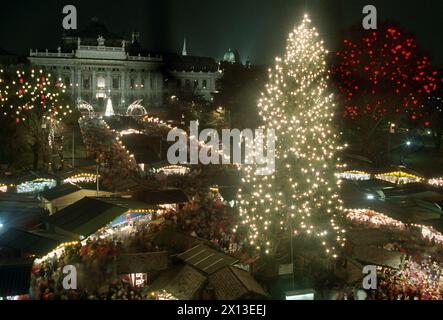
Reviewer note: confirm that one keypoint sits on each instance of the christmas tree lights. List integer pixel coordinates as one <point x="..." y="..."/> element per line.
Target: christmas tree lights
<point x="300" y="197"/>
<point x="32" y="96"/>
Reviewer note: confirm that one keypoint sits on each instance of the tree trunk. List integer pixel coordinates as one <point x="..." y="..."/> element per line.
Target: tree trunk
<point x="437" y="140"/>
<point x="35" y="151"/>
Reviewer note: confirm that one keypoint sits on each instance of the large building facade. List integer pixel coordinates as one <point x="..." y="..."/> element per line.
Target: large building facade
<point x="97" y="65"/>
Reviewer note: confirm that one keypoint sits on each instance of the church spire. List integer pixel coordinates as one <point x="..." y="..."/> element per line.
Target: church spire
<point x="184" y="51"/>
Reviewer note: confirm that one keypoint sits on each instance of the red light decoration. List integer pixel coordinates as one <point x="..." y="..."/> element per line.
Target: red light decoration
<point x="393" y="77"/>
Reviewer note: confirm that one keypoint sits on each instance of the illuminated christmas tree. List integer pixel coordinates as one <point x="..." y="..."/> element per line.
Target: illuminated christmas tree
<point x="36" y="102"/>
<point x="300" y="197"/>
<point x="109" y="109"/>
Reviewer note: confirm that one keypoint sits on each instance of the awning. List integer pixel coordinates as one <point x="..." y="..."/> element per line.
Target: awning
<point x="15" y="276"/>
<point x="28" y="242"/>
<point x="378" y="256"/>
<point x="142" y="262"/>
<point x="206" y="259"/>
<point x="231" y="283"/>
<point x="88" y="215"/>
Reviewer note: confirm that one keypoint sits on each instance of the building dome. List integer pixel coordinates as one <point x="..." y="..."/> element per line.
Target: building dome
<point x="231" y="56"/>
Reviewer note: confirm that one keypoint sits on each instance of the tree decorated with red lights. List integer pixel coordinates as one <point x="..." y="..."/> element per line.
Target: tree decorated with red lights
<point x="36" y="102"/>
<point x="383" y="77"/>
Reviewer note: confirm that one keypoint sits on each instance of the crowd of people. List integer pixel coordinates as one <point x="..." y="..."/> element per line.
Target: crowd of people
<point x="95" y="260"/>
<point x="102" y="144"/>
<point x="418" y="278"/>
<point x="413" y="281"/>
<point x="210" y="219"/>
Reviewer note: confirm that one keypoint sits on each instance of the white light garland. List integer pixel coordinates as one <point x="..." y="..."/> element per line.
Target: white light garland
<point x="81" y="178"/>
<point x="355" y="175"/>
<point x="373" y="218"/>
<point x="398" y="177"/>
<point x="437" y="182"/>
<point x="429" y="234"/>
<point x="376" y="219"/>
<point x="174" y="170"/>
<point x="36" y="185"/>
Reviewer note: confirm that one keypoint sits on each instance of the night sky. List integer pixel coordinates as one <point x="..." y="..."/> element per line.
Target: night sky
<point x="256" y="28"/>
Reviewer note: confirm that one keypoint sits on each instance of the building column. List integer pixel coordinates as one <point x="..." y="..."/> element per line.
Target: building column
<point x="123" y="90"/>
<point x="148" y="87"/>
<point x="73" y="82"/>
<point x="79" y="81"/>
<point x="94" y="86"/>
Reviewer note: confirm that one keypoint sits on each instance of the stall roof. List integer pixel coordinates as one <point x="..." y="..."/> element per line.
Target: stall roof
<point x="351" y="273"/>
<point x="72" y="172"/>
<point x="27" y="242"/>
<point x="15" y="276"/>
<point x="378" y="256"/>
<point x="409" y="189"/>
<point x="206" y="259"/>
<point x="142" y="262"/>
<point x="91" y="214"/>
<point x="130" y="184"/>
<point x="368" y="237"/>
<point x="171" y="239"/>
<point x="125" y="203"/>
<point x="231" y="283"/>
<point x="169" y="196"/>
<point x="374" y="184"/>
<point x="59" y="191"/>
<point x="184" y="282"/>
<point x="18" y="210"/>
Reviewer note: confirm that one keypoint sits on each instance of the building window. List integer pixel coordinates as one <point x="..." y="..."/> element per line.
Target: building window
<point x="179" y="83"/>
<point x="101" y="83"/>
<point x="166" y="83"/>
<point x="67" y="82"/>
<point x="86" y="83"/>
<point x="195" y="84"/>
<point x="132" y="83"/>
<point x="142" y="83"/>
<point x="205" y="84"/>
<point x="188" y="84"/>
<point x="115" y="83"/>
